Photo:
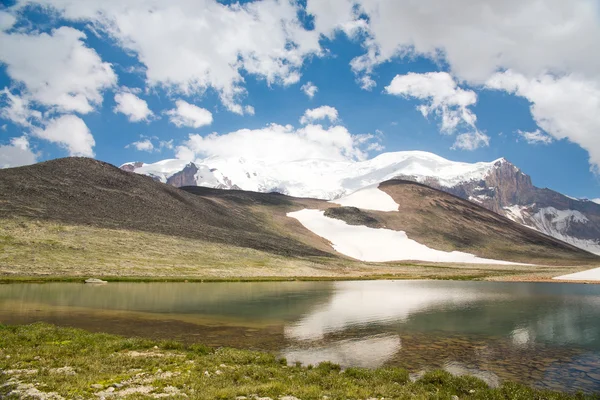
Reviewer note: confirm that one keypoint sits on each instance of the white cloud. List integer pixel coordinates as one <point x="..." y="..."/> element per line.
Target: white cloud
<point x="565" y="108"/>
<point x="475" y="37"/>
<point x="17" y="109"/>
<point x="319" y="113"/>
<point x="442" y="97"/>
<point x="190" y="46"/>
<point x="471" y="141"/>
<point x="278" y="143"/>
<point x="56" y="69"/>
<point x="70" y="132"/>
<point x="142" y="145"/>
<point x="133" y="107"/>
<point x="17" y="153"/>
<point x="535" y="137"/>
<point x="186" y="114"/>
<point x="309" y="89"/>
<point x="249" y="110"/>
<point x="147" y="143"/>
<point x="6" y="21"/>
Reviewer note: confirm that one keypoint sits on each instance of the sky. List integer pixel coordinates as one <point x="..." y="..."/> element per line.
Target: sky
<point x="146" y="80"/>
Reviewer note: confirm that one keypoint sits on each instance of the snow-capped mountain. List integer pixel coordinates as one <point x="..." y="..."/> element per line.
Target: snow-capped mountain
<point x="498" y="185"/>
<point x="322" y="179"/>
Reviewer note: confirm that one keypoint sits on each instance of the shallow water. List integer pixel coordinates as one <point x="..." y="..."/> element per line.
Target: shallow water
<point x="546" y="335"/>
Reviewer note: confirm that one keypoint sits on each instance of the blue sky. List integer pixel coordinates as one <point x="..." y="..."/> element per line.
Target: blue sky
<point x="323" y="47"/>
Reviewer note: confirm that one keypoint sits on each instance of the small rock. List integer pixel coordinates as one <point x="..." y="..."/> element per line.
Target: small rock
<point x="110" y="389"/>
<point x="97" y="386"/>
<point x="117" y="385"/>
<point x="241" y="398"/>
<point x="206" y="373"/>
<point x="289" y="398"/>
<point x="95" y="281"/>
<point x="223" y="366"/>
<point x="218" y="372"/>
<point x="472" y="391"/>
<point x="454" y="397"/>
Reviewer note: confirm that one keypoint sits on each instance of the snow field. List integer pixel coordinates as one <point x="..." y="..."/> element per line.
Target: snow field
<point x="369" y="198"/>
<point x="378" y="245"/>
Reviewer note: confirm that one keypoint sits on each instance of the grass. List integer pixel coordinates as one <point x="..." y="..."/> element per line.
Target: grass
<point x="32" y="250"/>
<point x="50" y="361"/>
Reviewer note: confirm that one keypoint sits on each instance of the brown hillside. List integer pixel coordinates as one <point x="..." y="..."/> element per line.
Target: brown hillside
<point x="447" y="222"/>
<point x="90" y="192"/>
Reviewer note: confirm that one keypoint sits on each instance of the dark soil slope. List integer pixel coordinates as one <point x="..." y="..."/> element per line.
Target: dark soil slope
<point x="447" y="222"/>
<point x="86" y="191"/>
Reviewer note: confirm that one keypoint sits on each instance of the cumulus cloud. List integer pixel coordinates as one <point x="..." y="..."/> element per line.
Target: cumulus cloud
<point x="277" y="143"/>
<point x="471" y="141"/>
<point x="69" y="132"/>
<point x="17" y="109"/>
<point x="133" y="107"/>
<point x="319" y="113"/>
<point x="309" y="89"/>
<point x="147" y="143"/>
<point x="17" y="153"/>
<point x="186" y="114"/>
<point x="441" y="96"/>
<point x="56" y="69"/>
<point x="566" y="108"/>
<point x="475" y="37"/>
<point x="535" y="137"/>
<point x="142" y="145"/>
<point x="6" y="20"/>
<point x="191" y="46"/>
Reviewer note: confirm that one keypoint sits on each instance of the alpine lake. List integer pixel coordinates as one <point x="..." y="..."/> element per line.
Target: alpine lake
<point x="545" y="335"/>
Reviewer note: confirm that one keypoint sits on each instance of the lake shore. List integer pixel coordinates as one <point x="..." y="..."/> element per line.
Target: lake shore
<point x="46" y="361"/>
<point x="480" y="275"/>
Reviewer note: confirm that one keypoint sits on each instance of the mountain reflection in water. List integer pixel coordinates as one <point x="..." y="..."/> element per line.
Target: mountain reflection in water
<point x="535" y="333"/>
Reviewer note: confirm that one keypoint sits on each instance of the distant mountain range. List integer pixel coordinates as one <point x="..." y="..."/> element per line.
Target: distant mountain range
<point x="416" y="222"/>
<point x="498" y="186"/>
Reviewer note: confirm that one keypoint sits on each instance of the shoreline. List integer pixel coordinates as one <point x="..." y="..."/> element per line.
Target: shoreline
<point x="47" y="361"/>
<point x="183" y="279"/>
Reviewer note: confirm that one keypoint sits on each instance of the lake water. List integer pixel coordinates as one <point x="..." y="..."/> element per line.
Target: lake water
<point x="546" y="335"/>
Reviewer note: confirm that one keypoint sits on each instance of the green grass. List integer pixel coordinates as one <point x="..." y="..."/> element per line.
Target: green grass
<point x="33" y="250"/>
<point x="31" y="355"/>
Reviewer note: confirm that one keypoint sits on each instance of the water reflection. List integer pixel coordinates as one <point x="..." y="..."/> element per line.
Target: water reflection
<point x="355" y="304"/>
<point x="370" y="352"/>
<point x="533" y="333"/>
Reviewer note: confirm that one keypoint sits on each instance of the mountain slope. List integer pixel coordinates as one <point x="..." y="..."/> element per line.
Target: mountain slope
<point x="89" y="192"/>
<point x="86" y="191"/>
<point x="498" y="186"/>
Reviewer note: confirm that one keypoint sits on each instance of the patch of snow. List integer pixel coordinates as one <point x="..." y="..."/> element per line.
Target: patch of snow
<point x="162" y="170"/>
<point x="480" y="198"/>
<point x="516" y="213"/>
<point x="369" y="198"/>
<point x="588" y="275"/>
<point x="378" y="245"/>
<point x="597" y="201"/>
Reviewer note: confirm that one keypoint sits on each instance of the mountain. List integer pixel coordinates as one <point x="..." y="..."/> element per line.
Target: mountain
<point x="81" y="191"/>
<point x="499" y="185"/>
